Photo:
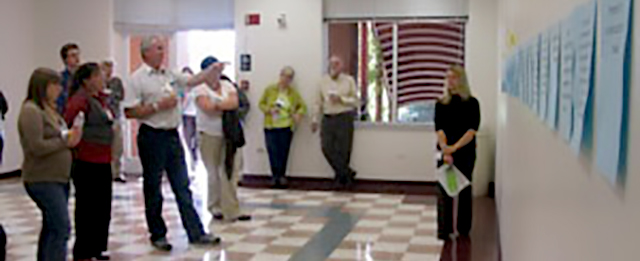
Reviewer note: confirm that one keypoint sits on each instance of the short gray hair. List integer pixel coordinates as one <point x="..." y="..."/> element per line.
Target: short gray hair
<point x="108" y="63"/>
<point x="147" y="42"/>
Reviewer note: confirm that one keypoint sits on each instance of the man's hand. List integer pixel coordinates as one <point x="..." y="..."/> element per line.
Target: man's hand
<point x="215" y="70"/>
<point x="314" y="127"/>
<point x="335" y="99"/>
<point x="167" y="103"/>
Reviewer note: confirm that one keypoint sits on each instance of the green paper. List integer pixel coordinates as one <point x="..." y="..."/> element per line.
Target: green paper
<point x="452" y="180"/>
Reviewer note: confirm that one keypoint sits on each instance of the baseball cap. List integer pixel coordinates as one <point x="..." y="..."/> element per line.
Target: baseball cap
<point x="208" y="61"/>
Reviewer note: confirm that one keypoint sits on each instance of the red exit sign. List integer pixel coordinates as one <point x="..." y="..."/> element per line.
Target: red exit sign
<point x="252" y="19"/>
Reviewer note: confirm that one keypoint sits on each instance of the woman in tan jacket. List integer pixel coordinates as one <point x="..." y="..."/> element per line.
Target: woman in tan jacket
<point x="46" y="144"/>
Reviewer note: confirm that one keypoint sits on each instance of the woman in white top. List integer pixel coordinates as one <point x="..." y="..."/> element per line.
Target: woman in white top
<point x="212" y="98"/>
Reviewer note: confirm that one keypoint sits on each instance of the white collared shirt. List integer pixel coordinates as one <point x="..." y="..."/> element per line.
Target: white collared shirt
<point x="147" y="86"/>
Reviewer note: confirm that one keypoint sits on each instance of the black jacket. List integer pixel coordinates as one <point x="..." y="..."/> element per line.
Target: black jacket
<point x="233" y="138"/>
<point x="4" y="107"/>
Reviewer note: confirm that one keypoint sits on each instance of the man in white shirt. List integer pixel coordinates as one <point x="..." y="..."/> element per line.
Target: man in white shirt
<point x="336" y="104"/>
<point x="151" y="98"/>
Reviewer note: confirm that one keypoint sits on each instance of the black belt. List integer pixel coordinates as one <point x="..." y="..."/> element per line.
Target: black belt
<point x="148" y="128"/>
<point x="346" y="113"/>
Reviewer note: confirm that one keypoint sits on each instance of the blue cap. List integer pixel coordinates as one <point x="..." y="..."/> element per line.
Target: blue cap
<point x="208" y="62"/>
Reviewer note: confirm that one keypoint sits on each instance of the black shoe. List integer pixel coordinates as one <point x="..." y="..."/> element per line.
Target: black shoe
<point x="207" y="240"/>
<point x="218" y="216"/>
<point x="103" y="257"/>
<point x="275" y="183"/>
<point x="120" y="180"/>
<point x="283" y="182"/>
<point x="348" y="184"/>
<point x="243" y="218"/>
<point x="162" y="244"/>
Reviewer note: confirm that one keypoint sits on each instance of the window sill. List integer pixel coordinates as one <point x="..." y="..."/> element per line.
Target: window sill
<point x="395" y="126"/>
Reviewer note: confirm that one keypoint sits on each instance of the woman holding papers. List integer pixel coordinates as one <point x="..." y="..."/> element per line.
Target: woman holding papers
<point x="88" y="109"/>
<point x="46" y="143"/>
<point x="283" y="108"/>
<point x="457" y="118"/>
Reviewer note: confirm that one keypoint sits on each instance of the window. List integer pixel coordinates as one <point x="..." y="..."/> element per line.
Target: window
<point x="400" y="66"/>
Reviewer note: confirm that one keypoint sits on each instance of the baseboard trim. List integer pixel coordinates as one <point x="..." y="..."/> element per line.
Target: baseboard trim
<point x="11" y="174"/>
<point x="360" y="186"/>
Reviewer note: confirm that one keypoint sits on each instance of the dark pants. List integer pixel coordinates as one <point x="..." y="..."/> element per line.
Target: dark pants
<point x="278" y="145"/>
<point x="161" y="150"/>
<point x="92" y="182"/>
<point x="337" y="142"/>
<point x="1" y="148"/>
<point x="465" y="163"/>
<point x="52" y="199"/>
<point x="3" y="244"/>
<point x="190" y="135"/>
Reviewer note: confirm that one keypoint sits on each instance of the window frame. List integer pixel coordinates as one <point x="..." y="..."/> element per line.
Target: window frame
<point x="394" y="106"/>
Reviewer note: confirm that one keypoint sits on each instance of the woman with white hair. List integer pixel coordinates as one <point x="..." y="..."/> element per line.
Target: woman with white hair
<point x="283" y="109"/>
<point x="457" y="120"/>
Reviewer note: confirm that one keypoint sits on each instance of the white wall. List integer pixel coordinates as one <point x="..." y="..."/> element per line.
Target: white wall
<point x="87" y="23"/>
<point x="406" y="153"/>
<point x="553" y="205"/>
<point x="482" y="69"/>
<point x="16" y="65"/>
<point x="35" y="32"/>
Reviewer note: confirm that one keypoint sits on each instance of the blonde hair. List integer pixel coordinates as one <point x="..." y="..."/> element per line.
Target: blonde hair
<point x="462" y="87"/>
<point x="288" y="70"/>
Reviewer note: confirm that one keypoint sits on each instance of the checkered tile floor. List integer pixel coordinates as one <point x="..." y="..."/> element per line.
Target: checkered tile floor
<point x="284" y="224"/>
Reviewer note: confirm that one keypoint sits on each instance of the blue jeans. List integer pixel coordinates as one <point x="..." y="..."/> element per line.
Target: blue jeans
<point x="278" y="145"/>
<point x="160" y="151"/>
<point x="52" y="198"/>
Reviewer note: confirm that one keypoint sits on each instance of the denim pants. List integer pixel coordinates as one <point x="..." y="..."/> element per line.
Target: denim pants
<point x="161" y="151"/>
<point x="52" y="198"/>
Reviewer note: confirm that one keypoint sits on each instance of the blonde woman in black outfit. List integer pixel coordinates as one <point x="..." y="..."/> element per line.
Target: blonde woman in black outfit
<point x="457" y="120"/>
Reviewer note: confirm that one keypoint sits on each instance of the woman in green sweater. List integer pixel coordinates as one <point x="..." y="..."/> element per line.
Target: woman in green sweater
<point x="283" y="109"/>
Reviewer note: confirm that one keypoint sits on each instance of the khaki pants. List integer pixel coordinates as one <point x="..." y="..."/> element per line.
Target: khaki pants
<point x="116" y="150"/>
<point x="223" y="197"/>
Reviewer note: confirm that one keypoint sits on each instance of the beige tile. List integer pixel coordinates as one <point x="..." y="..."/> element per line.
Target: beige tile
<point x="238" y="256"/>
<point x="424" y="249"/>
<point x="367" y="230"/>
<point x="281" y="250"/>
<point x="420" y="257"/>
<point x="298" y="233"/>
<point x="377" y="255"/>
<point x="259" y="239"/>
<point x="394" y="239"/>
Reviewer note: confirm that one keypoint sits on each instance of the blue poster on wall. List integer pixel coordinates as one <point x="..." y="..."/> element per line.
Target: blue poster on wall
<point x="554" y="76"/>
<point x="566" y="79"/>
<point x="535" y="88"/>
<point x="522" y="70"/>
<point x="543" y="76"/>
<point x="516" y="73"/>
<point x="613" y="88"/>
<point x="584" y="39"/>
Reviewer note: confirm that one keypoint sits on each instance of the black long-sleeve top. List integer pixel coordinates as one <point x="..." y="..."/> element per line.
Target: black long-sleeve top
<point x="456" y="118"/>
